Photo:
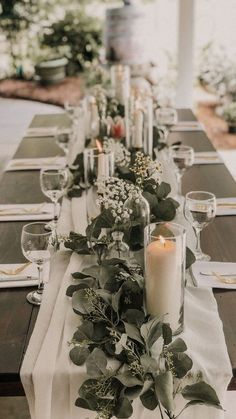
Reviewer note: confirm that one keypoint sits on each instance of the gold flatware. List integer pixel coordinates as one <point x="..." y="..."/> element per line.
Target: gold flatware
<point x="11" y="272"/>
<point x="224" y="280"/>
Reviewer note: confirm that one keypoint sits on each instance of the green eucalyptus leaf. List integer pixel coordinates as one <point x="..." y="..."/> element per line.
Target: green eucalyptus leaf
<point x="165" y="210"/>
<point x="115" y="300"/>
<point x="190" y="258"/>
<point x="148" y="363"/>
<point x="81" y="302"/>
<point x="151" y="199"/>
<point x="83" y="404"/>
<point x="80" y="275"/>
<point x="200" y="402"/>
<point x="134" y="316"/>
<point x="133" y="392"/>
<point x="149" y="399"/>
<point x="201" y="391"/>
<point x="78" y="355"/>
<point x="103" y="220"/>
<point x="105" y="295"/>
<point x="166" y="333"/>
<point x="182" y="363"/>
<point x="78" y="243"/>
<point x="178" y="345"/>
<point x="133" y="332"/>
<point x="123" y="408"/>
<point x="84" y="333"/>
<point x="164" y="390"/>
<point x="129" y="380"/>
<point x="163" y="190"/>
<point x="73" y="288"/>
<point x="96" y="363"/>
<point x="151" y="331"/>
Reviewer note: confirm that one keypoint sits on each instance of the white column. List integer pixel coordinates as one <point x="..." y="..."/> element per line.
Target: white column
<point x="184" y="93"/>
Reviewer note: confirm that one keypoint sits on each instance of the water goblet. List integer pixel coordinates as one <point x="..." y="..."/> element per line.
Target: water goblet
<point x="36" y="247"/>
<point x="166" y="118"/>
<point x="200" y="210"/>
<point x="183" y="158"/>
<point x="54" y="183"/>
<point x="63" y="139"/>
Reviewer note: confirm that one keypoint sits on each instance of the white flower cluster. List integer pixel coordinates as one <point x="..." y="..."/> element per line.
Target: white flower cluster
<point x="114" y="193"/>
<point x="122" y="155"/>
<point x="144" y="167"/>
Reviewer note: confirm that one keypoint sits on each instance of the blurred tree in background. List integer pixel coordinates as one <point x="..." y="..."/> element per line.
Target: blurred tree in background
<point x="42" y="29"/>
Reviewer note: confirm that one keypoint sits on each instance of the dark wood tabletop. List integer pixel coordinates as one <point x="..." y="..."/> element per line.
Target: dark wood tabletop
<point x="17" y="317"/>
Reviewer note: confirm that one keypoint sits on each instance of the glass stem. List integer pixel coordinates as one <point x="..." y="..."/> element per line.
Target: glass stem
<point x="41" y="284"/>
<point x="198" y="244"/>
<point x="180" y="175"/>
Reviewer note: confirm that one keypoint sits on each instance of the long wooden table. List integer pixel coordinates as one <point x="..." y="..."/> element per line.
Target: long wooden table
<point x="17" y="317"/>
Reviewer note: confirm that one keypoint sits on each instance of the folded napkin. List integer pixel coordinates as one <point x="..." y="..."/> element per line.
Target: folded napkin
<point x="187" y="126"/>
<point x="202" y="274"/>
<point x="36" y="163"/>
<point x="25" y="212"/>
<point x="226" y="206"/>
<point x="41" y="132"/>
<point x="21" y="275"/>
<point x="207" y="157"/>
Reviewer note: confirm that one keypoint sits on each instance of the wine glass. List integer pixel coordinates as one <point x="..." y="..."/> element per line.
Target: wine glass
<point x="63" y="139"/>
<point x="36" y="247"/>
<point x="166" y="118"/>
<point x="200" y="210"/>
<point x="183" y="158"/>
<point x="54" y="183"/>
<point x="74" y="110"/>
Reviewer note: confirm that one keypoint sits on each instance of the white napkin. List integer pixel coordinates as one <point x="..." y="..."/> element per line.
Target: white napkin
<point x="207" y="157"/>
<point x="209" y="281"/>
<point x="36" y="163"/>
<point x="20" y="279"/>
<point x="25" y="212"/>
<point x="187" y="126"/>
<point x="41" y="132"/>
<point x="226" y="206"/>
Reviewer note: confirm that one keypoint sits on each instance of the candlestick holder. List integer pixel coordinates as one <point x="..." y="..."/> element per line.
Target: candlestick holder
<point x="165" y="247"/>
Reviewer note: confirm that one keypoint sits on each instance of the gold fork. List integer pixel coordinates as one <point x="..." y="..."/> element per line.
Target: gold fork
<point x="223" y="279"/>
<point x="15" y="271"/>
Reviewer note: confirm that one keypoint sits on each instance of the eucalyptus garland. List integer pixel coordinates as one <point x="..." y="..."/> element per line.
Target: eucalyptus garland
<point x="128" y="354"/>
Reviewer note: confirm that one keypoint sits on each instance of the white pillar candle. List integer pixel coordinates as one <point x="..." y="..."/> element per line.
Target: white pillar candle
<point x="120" y="77"/>
<point x="102" y="166"/>
<point x="163" y="280"/>
<point x="150" y="126"/>
<point x="137" y="141"/>
<point x="127" y="123"/>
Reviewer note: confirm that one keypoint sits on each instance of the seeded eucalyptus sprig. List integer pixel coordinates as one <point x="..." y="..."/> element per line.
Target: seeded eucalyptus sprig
<point x="128" y="354"/>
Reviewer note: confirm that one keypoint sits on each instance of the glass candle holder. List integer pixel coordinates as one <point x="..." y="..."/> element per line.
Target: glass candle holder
<point x="97" y="165"/>
<point x="165" y="245"/>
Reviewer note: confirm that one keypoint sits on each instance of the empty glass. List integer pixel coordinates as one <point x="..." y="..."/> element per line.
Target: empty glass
<point x="183" y="158"/>
<point x="166" y="118"/>
<point x="36" y="247"/>
<point x="54" y="183"/>
<point x="200" y="210"/>
<point x="63" y="139"/>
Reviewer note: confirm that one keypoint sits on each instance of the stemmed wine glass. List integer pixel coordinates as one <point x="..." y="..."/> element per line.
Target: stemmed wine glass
<point x="36" y="247"/>
<point x="63" y="139"/>
<point x="54" y="183"/>
<point x="183" y="158"/>
<point x="166" y="118"/>
<point x="200" y="210"/>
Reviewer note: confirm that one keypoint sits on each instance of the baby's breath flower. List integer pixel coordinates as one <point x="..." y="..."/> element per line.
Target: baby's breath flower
<point x="122" y="155"/>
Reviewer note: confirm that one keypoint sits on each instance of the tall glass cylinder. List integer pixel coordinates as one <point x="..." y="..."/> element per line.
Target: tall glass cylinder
<point x="97" y="165"/>
<point x="139" y="210"/>
<point x="165" y="246"/>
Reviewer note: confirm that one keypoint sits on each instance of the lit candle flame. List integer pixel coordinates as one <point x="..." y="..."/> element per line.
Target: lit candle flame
<point x="99" y="146"/>
<point x="162" y="240"/>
